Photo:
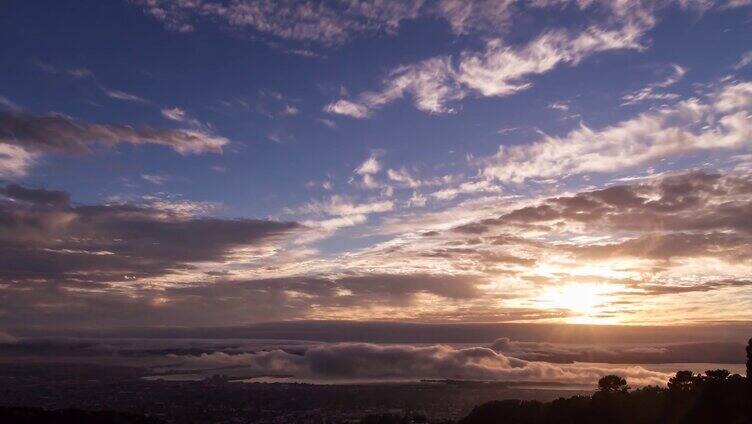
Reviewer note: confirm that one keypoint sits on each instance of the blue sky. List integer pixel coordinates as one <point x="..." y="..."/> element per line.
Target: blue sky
<point x="368" y="124"/>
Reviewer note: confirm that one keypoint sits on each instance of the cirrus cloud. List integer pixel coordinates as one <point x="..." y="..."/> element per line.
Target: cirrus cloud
<point x="720" y="123"/>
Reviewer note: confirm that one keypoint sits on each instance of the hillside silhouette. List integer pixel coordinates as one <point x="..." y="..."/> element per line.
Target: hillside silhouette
<point x="713" y="397"/>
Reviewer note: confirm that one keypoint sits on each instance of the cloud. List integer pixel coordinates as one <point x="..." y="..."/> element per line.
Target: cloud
<point x="322" y="22"/>
<point x="367" y="170"/>
<point x="280" y="136"/>
<point x="744" y="60"/>
<point x="651" y="92"/>
<point x="663" y="289"/>
<point x="667" y="246"/>
<point x="362" y="360"/>
<point x="23" y="137"/>
<point x="179" y="115"/>
<point x="289" y="110"/>
<point x="45" y="237"/>
<point x="560" y="106"/>
<point x="687" y="201"/>
<point x="684" y="232"/>
<point x="33" y="196"/>
<point x="305" y="53"/>
<point x="479" y="186"/>
<point x="154" y="179"/>
<point x="58" y="133"/>
<point x="327" y="123"/>
<point x="501" y="70"/>
<point x="331" y="23"/>
<point x="332" y="224"/>
<point x="15" y="161"/>
<point x="403" y="177"/>
<point x="417" y="200"/>
<point x="77" y="73"/>
<point x="471" y="16"/>
<point x="735" y="97"/>
<point x="221" y="300"/>
<point x="122" y="95"/>
<point x="369" y="166"/>
<point x="690" y="125"/>
<point x="400" y="285"/>
<point x="498" y="70"/>
<point x="342" y="213"/>
<point x="87" y="74"/>
<point x="269" y="103"/>
<point x="209" y="348"/>
<point x="174" y="114"/>
<point x="9" y="104"/>
<point x="732" y="4"/>
<point x="347" y="108"/>
<point x="339" y="206"/>
<point x="432" y="84"/>
<point x="708" y="352"/>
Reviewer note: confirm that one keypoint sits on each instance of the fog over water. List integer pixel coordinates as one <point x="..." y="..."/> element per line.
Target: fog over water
<point x="574" y="356"/>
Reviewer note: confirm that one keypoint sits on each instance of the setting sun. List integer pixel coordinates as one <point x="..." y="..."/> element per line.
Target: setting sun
<point x="585" y="301"/>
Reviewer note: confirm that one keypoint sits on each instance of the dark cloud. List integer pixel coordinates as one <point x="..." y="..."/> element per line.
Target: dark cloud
<point x="657" y="353"/>
<point x="666" y="246"/>
<point x="449" y="286"/>
<point x="45" y="238"/>
<point x="681" y="202"/>
<point x="472" y="228"/>
<point x="688" y="214"/>
<point x="67" y="265"/>
<point x="660" y="289"/>
<point x="35" y="196"/>
<point x="414" y="332"/>
<point x="63" y="306"/>
<point x="495" y="257"/>
<point x="481" y="256"/>
<point x="62" y="134"/>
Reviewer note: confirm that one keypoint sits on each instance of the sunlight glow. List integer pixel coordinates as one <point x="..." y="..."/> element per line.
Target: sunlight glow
<point x="586" y="301"/>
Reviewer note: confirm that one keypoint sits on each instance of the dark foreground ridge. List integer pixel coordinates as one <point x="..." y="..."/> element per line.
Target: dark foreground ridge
<point x="715" y="397"/>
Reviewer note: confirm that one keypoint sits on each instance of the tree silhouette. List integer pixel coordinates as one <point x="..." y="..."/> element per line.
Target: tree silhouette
<point x="749" y="378"/>
<point x="612" y="384"/>
<point x="715" y="376"/>
<point x="683" y="381"/>
<point x="749" y="362"/>
<point x="716" y="396"/>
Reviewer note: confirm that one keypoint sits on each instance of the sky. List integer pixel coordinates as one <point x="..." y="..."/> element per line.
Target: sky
<point x="207" y="163"/>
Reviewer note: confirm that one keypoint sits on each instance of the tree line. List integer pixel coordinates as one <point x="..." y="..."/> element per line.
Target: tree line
<point x="717" y="396"/>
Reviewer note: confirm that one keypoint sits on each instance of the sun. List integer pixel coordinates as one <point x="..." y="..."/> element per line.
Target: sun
<point x="585" y="301"/>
